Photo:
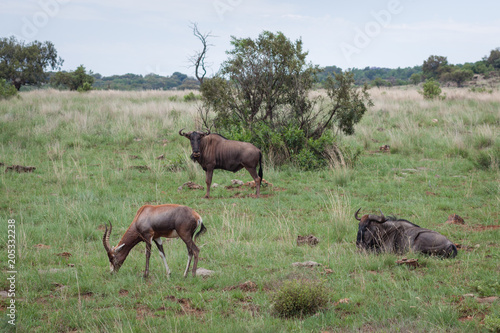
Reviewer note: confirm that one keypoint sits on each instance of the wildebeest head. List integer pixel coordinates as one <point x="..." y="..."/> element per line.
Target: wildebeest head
<point x="368" y="232"/>
<point x="195" y="139"/>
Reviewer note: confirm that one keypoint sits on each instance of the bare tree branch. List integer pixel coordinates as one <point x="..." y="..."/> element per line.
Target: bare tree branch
<point x="198" y="59"/>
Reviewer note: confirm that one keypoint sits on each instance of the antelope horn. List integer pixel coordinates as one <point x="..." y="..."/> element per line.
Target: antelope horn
<point x="356" y="215"/>
<point x="105" y="238"/>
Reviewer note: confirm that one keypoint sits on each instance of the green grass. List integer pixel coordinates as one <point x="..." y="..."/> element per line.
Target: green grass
<point x="85" y="148"/>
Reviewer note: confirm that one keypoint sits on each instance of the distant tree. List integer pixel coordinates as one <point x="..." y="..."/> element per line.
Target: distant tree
<point x="435" y="66"/>
<point x="416" y="78"/>
<point x="24" y="64"/>
<point x="494" y="58"/>
<point x="379" y="82"/>
<point x="459" y="76"/>
<point x="78" y="80"/>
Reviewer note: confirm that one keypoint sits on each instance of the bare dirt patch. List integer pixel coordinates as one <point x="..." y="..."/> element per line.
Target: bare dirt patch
<point x="186" y="306"/>
<point x="247" y="286"/>
<point x="20" y="168"/>
<point x="485" y="227"/>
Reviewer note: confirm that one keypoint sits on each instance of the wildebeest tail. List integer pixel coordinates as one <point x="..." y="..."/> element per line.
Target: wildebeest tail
<point x="260" y="167"/>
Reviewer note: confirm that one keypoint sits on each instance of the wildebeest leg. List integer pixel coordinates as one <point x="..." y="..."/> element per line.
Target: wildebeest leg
<point x="256" y="178"/>
<point x="209" y="181"/>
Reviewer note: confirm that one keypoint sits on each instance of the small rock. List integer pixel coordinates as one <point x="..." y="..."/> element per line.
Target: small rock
<point x="306" y="264"/>
<point x="204" y="272"/>
<point x="161" y="157"/>
<point x="215" y="185"/>
<point x="236" y="182"/>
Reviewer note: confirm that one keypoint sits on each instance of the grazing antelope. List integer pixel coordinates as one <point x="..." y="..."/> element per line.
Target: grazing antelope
<point x="150" y="224"/>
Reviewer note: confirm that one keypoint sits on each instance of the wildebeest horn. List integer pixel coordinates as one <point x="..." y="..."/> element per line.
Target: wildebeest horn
<point x="380" y="219"/>
<point x="105" y="238"/>
<point x="207" y="132"/>
<point x="356" y="215"/>
<point x="185" y="134"/>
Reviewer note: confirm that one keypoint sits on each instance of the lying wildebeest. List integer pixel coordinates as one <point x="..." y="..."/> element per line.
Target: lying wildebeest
<point x="388" y="234"/>
<point x="213" y="151"/>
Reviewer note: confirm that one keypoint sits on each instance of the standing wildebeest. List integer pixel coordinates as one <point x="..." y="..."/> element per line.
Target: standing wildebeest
<point x="381" y="234"/>
<point x="213" y="151"/>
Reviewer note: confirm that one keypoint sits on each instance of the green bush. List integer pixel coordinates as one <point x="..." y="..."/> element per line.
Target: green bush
<point x="190" y="97"/>
<point x="7" y="90"/>
<point x="299" y="298"/>
<point x="492" y="323"/>
<point x="432" y="90"/>
<point x="86" y="86"/>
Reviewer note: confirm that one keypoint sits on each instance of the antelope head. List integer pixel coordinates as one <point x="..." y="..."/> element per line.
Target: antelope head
<point x="114" y="262"/>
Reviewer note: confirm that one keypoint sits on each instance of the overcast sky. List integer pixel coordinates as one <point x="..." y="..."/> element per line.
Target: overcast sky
<point x="153" y="36"/>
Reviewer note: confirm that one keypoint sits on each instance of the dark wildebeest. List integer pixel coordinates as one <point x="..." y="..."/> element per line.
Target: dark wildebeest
<point x="213" y="151"/>
<point x="388" y="234"/>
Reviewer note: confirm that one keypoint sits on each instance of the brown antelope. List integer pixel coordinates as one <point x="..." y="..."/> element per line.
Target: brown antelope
<point x="150" y="224"/>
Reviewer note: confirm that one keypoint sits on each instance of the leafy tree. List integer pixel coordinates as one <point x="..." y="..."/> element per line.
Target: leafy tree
<point x="494" y="58"/>
<point x="78" y="80"/>
<point x="262" y="95"/>
<point x="24" y="64"/>
<point x="416" y="78"/>
<point x="435" y="66"/>
<point x="459" y="76"/>
<point x="379" y="82"/>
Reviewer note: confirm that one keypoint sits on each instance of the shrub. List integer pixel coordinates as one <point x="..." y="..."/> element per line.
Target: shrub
<point x="432" y="90"/>
<point x="298" y="298"/>
<point x="7" y="90"/>
<point x="492" y="323"/>
<point x="190" y="97"/>
<point x="86" y="86"/>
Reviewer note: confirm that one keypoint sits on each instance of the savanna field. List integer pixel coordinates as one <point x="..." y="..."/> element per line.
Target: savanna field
<point x="101" y="155"/>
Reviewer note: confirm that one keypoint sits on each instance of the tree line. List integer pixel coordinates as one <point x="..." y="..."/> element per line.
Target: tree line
<point x="37" y="64"/>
